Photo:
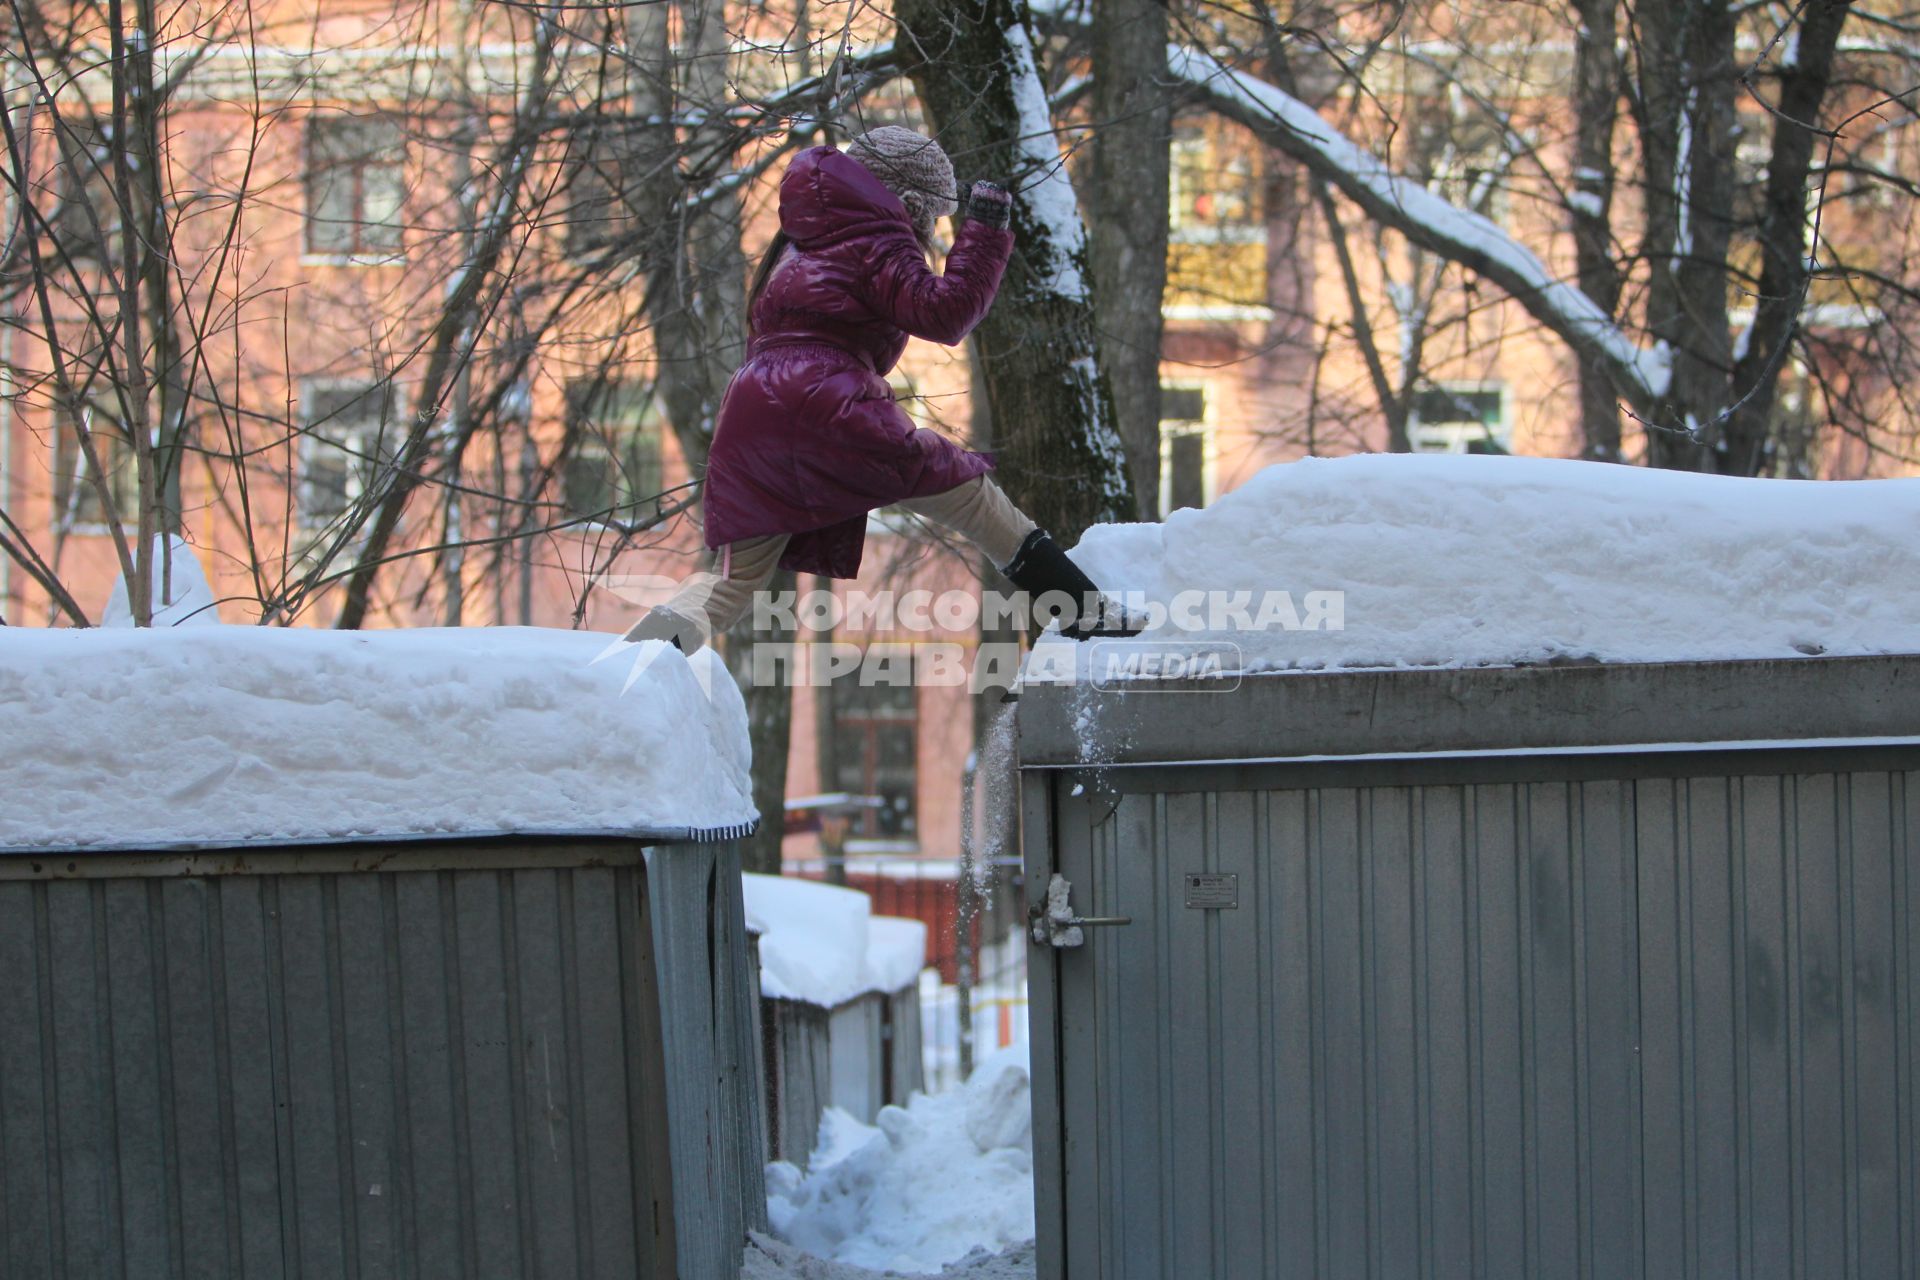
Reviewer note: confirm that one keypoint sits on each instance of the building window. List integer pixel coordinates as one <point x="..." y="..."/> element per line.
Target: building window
<point x="1459" y="418"/>
<point x="76" y="496"/>
<point x="1217" y="222"/>
<point x="349" y="436"/>
<point x="356" y="185"/>
<point x="88" y="222"/>
<point x="873" y="751"/>
<point x="1214" y="184"/>
<point x="598" y="211"/>
<point x="1186" y="446"/>
<point x="613" y="466"/>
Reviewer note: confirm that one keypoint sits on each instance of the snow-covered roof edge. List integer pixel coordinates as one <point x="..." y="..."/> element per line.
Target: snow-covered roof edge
<point x="1852" y="703"/>
<point x="650" y="836"/>
<point x="215" y="737"/>
<point x="821" y="944"/>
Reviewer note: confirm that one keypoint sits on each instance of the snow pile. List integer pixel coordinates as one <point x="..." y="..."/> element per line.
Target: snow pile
<point x="822" y="944"/>
<point x="181" y="596"/>
<point x="216" y="735"/>
<point x="1459" y="561"/>
<point x="946" y="1179"/>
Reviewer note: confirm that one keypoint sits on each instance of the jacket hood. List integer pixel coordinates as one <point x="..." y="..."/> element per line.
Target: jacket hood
<point x="828" y="196"/>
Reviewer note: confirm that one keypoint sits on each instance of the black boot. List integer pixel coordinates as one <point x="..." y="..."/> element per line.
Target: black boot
<point x="1056" y="588"/>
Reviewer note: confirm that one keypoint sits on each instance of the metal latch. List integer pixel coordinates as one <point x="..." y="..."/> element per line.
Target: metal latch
<point x="1056" y="925"/>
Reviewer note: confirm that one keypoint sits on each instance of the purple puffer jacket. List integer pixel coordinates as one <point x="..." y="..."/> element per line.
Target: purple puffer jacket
<point x="809" y="439"/>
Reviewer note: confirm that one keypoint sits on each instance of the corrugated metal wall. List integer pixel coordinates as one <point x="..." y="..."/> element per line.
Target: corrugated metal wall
<point x="799" y="1077"/>
<point x="906" y="1053"/>
<point x="434" y="1073"/>
<point x="856" y="1056"/>
<point x="714" y="1108"/>
<point x="1612" y="1023"/>
<point x="860" y="1056"/>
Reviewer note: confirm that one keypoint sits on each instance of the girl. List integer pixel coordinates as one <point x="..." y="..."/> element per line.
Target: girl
<point x="809" y="439"/>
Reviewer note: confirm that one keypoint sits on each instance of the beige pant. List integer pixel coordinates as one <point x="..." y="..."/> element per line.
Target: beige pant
<point x="976" y="510"/>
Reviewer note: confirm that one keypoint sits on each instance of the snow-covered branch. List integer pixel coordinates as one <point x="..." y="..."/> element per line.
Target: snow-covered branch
<point x="1047" y="191"/>
<point x="1292" y="127"/>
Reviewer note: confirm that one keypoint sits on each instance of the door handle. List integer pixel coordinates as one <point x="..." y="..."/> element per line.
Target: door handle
<point x="1055" y="924"/>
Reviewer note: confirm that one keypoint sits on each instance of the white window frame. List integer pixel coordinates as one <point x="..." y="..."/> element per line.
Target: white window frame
<point x="1454" y="437"/>
<point x="358" y="257"/>
<point x="1203" y="426"/>
<point x="1183" y="232"/>
<point x="352" y="442"/>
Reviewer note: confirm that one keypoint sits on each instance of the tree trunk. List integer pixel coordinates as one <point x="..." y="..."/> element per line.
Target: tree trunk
<point x="696" y="272"/>
<point x="1393" y="405"/>
<point x="1127" y="216"/>
<point x="149" y="126"/>
<point x="1596" y="99"/>
<point x="1061" y="457"/>
<point x="1783" y="244"/>
<point x="1688" y="80"/>
<point x="770" y="734"/>
<point x="132" y="99"/>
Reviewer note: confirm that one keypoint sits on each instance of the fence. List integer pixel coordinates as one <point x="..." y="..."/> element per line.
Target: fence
<point x="991" y="941"/>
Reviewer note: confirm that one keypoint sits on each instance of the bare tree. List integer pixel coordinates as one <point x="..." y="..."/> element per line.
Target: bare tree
<point x="127" y="291"/>
<point x="975" y="68"/>
<point x="1695" y="302"/>
<point x="1127" y="216"/>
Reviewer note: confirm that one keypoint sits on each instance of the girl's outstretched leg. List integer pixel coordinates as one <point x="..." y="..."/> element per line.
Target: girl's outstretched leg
<point x="1032" y="561"/>
<point x="713" y="600"/>
<point x="979" y="511"/>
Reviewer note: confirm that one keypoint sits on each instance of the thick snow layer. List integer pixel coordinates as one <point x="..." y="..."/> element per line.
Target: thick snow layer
<point x="947" y="1179"/>
<point x="822" y="944"/>
<point x="1450" y="560"/>
<point x="216" y="735"/>
<point x="896" y="952"/>
<point x="181" y="595"/>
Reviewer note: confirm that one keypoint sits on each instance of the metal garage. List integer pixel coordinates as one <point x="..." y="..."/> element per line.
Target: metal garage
<point x="1561" y="971"/>
<point x="526" y="1056"/>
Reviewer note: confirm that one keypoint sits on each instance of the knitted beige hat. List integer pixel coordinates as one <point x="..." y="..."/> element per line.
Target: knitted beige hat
<point x="914" y="168"/>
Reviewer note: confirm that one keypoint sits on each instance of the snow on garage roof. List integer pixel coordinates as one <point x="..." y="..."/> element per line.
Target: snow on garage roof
<point x="1439" y="561"/>
<point x="208" y="736"/>
<point x="822" y="944"/>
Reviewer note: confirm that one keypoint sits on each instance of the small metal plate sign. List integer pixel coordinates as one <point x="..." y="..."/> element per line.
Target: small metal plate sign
<point x="1212" y="890"/>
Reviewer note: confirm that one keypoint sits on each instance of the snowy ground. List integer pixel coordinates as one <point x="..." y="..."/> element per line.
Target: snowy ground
<point x="942" y="1186"/>
<point x="768" y="1259"/>
<point x="1460" y="561"/>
